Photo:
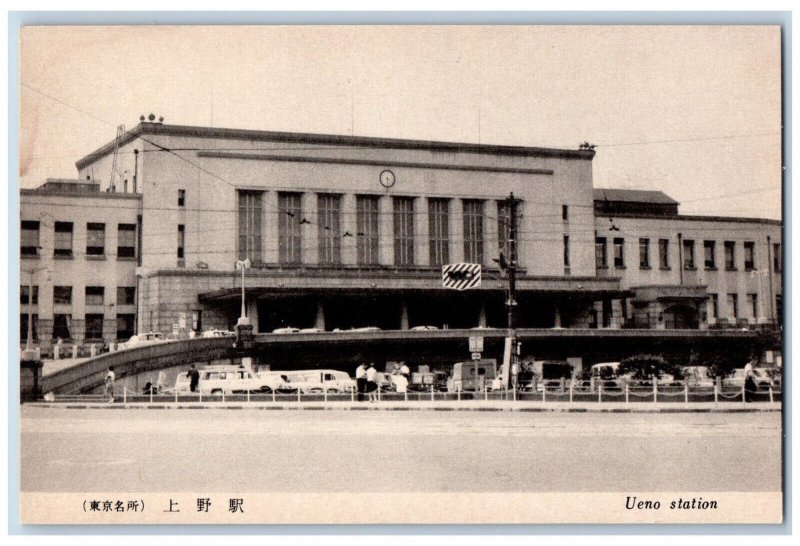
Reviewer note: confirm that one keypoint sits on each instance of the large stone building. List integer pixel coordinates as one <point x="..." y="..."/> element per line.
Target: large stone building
<point x="345" y="232"/>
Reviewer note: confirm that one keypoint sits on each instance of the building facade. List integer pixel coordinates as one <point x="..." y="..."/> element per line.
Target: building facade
<point x="345" y="232"/>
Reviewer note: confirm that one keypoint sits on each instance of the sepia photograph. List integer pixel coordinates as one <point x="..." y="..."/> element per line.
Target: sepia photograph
<point x="400" y="274"/>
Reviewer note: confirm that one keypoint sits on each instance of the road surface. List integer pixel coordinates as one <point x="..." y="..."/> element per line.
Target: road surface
<point x="83" y="450"/>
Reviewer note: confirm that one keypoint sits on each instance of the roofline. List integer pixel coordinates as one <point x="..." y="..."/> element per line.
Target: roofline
<point x="145" y="128"/>
<point x="605" y="199"/>
<point x="90" y="195"/>
<point x="689" y="217"/>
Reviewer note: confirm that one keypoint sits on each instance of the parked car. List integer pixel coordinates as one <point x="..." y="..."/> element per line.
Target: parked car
<point x="218" y="333"/>
<point x="366" y="329"/>
<point x="230" y="379"/>
<point x="316" y="381"/>
<point x="146" y="338"/>
<point x="286" y="330"/>
<point x="311" y="330"/>
<point x="423" y="328"/>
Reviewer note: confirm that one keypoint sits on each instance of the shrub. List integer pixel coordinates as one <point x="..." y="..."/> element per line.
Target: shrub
<point x="722" y="364"/>
<point x="643" y="367"/>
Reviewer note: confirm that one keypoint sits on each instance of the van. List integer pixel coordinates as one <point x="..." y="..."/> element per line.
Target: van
<point x="475" y="375"/>
<point x="229" y="380"/>
<point x="315" y="381"/>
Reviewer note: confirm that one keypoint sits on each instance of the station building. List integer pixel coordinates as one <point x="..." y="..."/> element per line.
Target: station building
<point x="344" y="232"/>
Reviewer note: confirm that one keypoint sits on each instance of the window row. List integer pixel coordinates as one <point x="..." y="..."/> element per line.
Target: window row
<point x="687" y="254"/>
<point x="733" y="310"/>
<point x="63" y="239"/>
<point x="64" y="328"/>
<point x="367" y="236"/>
<point x="93" y="295"/>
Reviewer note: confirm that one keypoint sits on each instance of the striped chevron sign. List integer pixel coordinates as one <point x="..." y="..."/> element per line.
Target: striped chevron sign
<point x="461" y="276"/>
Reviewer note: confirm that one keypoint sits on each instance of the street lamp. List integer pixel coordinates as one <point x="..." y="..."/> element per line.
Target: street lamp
<point x="29" y="353"/>
<point x="243" y="320"/>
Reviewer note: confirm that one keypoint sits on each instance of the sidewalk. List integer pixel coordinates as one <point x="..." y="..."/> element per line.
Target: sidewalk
<point x="443" y="405"/>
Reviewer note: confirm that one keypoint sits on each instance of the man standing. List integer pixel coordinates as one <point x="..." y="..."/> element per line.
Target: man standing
<point x="372" y="382"/>
<point x="194" y="378"/>
<point x="361" y="381"/>
<point x="110" y="378"/>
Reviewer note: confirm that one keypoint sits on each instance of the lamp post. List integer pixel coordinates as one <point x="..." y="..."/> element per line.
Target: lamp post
<point x="29" y="353"/>
<point x="243" y="320"/>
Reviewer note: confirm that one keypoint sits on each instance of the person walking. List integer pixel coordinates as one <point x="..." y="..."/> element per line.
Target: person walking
<point x="361" y="381"/>
<point x="194" y="378"/>
<point x="372" y="383"/>
<point x="109" y="387"/>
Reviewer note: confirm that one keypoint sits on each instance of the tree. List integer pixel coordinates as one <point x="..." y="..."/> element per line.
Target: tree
<point x="645" y="367"/>
<point x="722" y="363"/>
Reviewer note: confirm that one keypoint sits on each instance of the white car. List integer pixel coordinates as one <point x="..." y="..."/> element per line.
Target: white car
<point x="311" y="330"/>
<point x="146" y="338"/>
<point x="316" y="381"/>
<point x="218" y="333"/>
<point x="286" y="330"/>
<point x="366" y="329"/>
<point x="229" y="380"/>
<point x="423" y="328"/>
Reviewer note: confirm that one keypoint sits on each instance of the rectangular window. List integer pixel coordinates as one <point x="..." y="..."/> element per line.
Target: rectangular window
<point x="94" y="326"/>
<point x="63" y="239"/>
<point x="330" y="239"/>
<point x="289" y="236"/>
<point x="663" y="253"/>
<point x="688" y="254"/>
<point x="181" y="198"/>
<point x="125" y="326"/>
<point x="367" y="229"/>
<point x="126" y="295"/>
<point x="23" y="295"/>
<point x="439" y="231"/>
<point x="95" y="239"/>
<point x="752" y="303"/>
<point x="600" y="253"/>
<point x="713" y="307"/>
<point x="181" y="241"/>
<point x="62" y="295"/>
<point x="730" y="255"/>
<point x="619" y="253"/>
<point x="23" y="327"/>
<point x="733" y="306"/>
<point x="749" y="255"/>
<point x="404" y="231"/>
<point x="709" y="254"/>
<point x="62" y="327"/>
<point x="29" y="240"/>
<point x="504" y="227"/>
<point x="644" y="253"/>
<point x="566" y="250"/>
<point x="473" y="231"/>
<point x="250" y="221"/>
<point x="565" y="213"/>
<point x="94" y="295"/>
<point x="126" y="240"/>
<point x="776" y="257"/>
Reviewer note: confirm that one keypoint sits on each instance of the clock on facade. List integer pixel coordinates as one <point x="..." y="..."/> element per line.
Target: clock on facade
<point x="387" y="178"/>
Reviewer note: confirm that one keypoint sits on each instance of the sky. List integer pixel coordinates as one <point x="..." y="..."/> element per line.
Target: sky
<point x="694" y="111"/>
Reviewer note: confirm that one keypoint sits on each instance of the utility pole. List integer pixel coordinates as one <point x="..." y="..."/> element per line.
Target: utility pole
<point x="510" y="377"/>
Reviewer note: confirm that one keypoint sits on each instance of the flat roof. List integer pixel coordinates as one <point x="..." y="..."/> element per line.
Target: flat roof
<point x="650" y="197"/>
<point x="146" y="128"/>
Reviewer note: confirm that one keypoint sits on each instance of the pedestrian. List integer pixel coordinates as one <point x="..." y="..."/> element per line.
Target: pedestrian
<point x="405" y="372"/>
<point x="372" y="383"/>
<point x="361" y="381"/>
<point x="194" y="378"/>
<point x="109" y="388"/>
<point x="749" y="386"/>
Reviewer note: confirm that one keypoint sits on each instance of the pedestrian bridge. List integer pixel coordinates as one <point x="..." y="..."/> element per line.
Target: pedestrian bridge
<point x="392" y="344"/>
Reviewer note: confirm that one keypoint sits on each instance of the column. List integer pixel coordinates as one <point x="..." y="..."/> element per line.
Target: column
<point x="385" y="230"/>
<point x="616" y="314"/>
<point x="269" y="229"/>
<point x="422" y="255"/>
<point x="252" y="309"/>
<point x="482" y="316"/>
<point x="404" y="316"/>
<point x="556" y="315"/>
<point x="597" y="306"/>
<point x="320" y="321"/>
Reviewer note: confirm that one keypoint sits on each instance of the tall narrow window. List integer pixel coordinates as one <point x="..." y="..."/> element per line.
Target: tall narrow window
<point x="404" y="231"/>
<point x="289" y="236"/>
<point x="367" y="229"/>
<point x="733" y="306"/>
<point x="730" y="255"/>
<point x="62" y="295"/>
<point x="94" y="295"/>
<point x="749" y="255"/>
<point x="181" y="198"/>
<point x="125" y="324"/>
<point x="94" y="326"/>
<point x="565" y="213"/>
<point x="619" y="253"/>
<point x="566" y="250"/>
<point x="688" y="254"/>
<point x="776" y="257"/>
<point x="439" y="231"/>
<point x="181" y="241"/>
<point x="473" y="231"/>
<point x="503" y="227"/>
<point x="126" y="295"/>
<point x="24" y="296"/>
<point x="250" y="221"/>
<point x="95" y="239"/>
<point x="329" y="207"/>
<point x="752" y="303"/>
<point x="663" y="253"/>
<point x="126" y="241"/>
<point x="63" y="240"/>
<point x="29" y="243"/>
<point x="62" y="326"/>
<point x="23" y="330"/>
<point x="644" y="253"/>
<point x="713" y="307"/>
<point x="709" y="251"/>
<point x="600" y="253"/>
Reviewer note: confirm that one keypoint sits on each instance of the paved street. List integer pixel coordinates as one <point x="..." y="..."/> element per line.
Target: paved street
<point x="72" y="450"/>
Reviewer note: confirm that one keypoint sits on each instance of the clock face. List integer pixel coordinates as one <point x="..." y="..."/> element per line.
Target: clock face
<point x="387" y="179"/>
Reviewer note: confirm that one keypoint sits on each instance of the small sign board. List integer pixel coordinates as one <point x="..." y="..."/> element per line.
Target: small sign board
<point x="476" y="356"/>
<point x="475" y="344"/>
<point x="461" y="276"/>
